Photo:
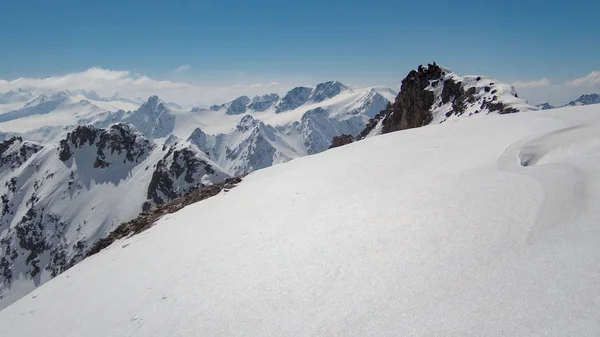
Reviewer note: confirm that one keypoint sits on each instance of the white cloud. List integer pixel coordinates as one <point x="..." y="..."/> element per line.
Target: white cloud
<point x="592" y="79"/>
<point x="183" y="68"/>
<point x="106" y="82"/>
<point x="544" y="82"/>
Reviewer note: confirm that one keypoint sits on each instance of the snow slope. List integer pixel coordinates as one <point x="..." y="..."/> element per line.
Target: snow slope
<point x="483" y="226"/>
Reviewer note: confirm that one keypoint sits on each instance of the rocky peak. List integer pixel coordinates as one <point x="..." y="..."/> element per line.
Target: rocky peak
<point x="293" y="99"/>
<point x="119" y="139"/>
<point x="412" y="105"/>
<point x="434" y="94"/>
<point x="246" y="123"/>
<point x="153" y="105"/>
<point x="326" y="90"/>
<point x="183" y="169"/>
<point x="15" y="151"/>
<point x="153" y="118"/>
<point x="200" y="139"/>
<point x="262" y="103"/>
<point x="172" y="140"/>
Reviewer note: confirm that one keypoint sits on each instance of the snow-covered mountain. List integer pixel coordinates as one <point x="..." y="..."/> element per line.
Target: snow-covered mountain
<point x="585" y="100"/>
<point x="545" y="106"/>
<point x="582" y="100"/>
<point x="58" y="200"/>
<point x="95" y="156"/>
<point x="485" y="226"/>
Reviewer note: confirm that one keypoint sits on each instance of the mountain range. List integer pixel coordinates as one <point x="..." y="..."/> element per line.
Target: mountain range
<point x="75" y="165"/>
<point x="582" y="100"/>
<point x="480" y="225"/>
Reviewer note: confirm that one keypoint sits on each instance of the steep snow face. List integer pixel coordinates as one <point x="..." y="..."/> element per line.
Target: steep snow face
<point x="154" y="119"/>
<point x="251" y="146"/>
<point x="58" y="200"/>
<point x="469" y="228"/>
<point x="293" y="99"/>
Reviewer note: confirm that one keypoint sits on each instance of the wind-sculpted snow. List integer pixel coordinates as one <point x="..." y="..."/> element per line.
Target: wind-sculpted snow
<point x="487" y="226"/>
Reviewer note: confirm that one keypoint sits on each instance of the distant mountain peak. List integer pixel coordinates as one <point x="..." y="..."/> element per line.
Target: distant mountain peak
<point x="293" y="99"/>
<point x="586" y="99"/>
<point x="326" y="90"/>
<point x="264" y="102"/>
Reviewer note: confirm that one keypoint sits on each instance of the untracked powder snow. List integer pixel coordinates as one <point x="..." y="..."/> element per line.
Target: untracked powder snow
<point x="485" y="226"/>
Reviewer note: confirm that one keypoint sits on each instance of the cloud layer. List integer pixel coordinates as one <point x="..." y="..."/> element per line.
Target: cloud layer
<point x="592" y="79"/>
<point x="107" y="82"/>
<point x="543" y="90"/>
<point x="544" y="82"/>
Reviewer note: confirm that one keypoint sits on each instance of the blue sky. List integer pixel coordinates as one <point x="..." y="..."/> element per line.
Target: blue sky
<point x="362" y="42"/>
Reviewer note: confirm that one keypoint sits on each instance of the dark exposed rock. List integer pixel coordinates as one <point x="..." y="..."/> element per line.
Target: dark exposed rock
<point x="176" y="165"/>
<point x="149" y="216"/>
<point x="412" y="105"/>
<point x="119" y="139"/>
<point x="15" y="151"/>
<point x="341" y="140"/>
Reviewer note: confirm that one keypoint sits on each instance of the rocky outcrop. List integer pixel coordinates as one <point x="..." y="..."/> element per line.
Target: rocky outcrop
<point x="433" y="94"/>
<point x="412" y="105"/>
<point x="341" y="141"/>
<point x="181" y="170"/>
